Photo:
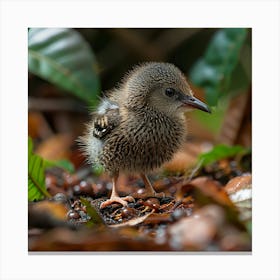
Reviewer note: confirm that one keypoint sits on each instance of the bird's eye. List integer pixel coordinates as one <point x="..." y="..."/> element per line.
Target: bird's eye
<point x="170" y="92"/>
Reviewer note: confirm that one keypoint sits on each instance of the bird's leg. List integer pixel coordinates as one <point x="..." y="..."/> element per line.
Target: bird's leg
<point x="115" y="198"/>
<point x="149" y="190"/>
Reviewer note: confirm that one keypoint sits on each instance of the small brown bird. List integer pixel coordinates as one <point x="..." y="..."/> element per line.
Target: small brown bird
<point x="140" y="124"/>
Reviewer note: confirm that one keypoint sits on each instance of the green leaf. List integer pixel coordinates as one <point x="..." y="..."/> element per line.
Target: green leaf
<point x="36" y="175"/>
<point x="95" y="217"/>
<point x="214" y="70"/>
<point x="212" y="122"/>
<point x="249" y="227"/>
<point x="65" y="164"/>
<point x="220" y="152"/>
<point x="239" y="80"/>
<point x="62" y="57"/>
<point x="30" y="146"/>
<point x="97" y="169"/>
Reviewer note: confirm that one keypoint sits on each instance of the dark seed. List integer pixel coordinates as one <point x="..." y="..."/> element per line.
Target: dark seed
<point x="166" y="200"/>
<point x="141" y="191"/>
<point x="86" y="188"/>
<point x="152" y="202"/>
<point x="60" y="197"/>
<point x="77" y="190"/>
<point x="83" y="188"/>
<point x="73" y="215"/>
<point x="130" y="204"/>
<point x="140" y="184"/>
<point x="69" y="180"/>
<point x="50" y="180"/>
<point x="128" y="212"/>
<point x="138" y="203"/>
<point x="99" y="189"/>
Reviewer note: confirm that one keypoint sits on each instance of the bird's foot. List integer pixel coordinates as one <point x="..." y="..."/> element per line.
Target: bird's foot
<point x="143" y="193"/>
<point x="116" y="199"/>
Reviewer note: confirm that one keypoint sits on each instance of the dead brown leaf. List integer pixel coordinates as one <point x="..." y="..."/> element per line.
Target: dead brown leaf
<point x="62" y="239"/>
<point x="212" y="189"/>
<point x="56" y="147"/>
<point x="197" y="231"/>
<point x="239" y="183"/>
<point x="47" y="214"/>
<point x="133" y="222"/>
<point x="240" y="193"/>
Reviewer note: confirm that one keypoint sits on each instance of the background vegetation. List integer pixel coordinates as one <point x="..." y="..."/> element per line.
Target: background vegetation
<point x="69" y="69"/>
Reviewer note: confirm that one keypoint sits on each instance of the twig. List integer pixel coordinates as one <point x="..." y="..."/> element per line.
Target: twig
<point x="55" y="104"/>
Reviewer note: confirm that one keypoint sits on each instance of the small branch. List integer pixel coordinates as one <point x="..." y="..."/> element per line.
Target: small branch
<point x="233" y="119"/>
<point x="55" y="104"/>
<point x="194" y="171"/>
<point x="137" y="43"/>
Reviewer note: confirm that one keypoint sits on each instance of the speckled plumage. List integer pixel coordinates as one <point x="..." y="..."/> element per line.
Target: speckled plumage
<point x="142" y="142"/>
<point x="138" y="127"/>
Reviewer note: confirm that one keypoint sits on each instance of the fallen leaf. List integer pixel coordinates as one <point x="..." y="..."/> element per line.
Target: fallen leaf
<point x="47" y="214"/>
<point x="63" y="239"/>
<point x="38" y="126"/>
<point x="239" y="183"/>
<point x="197" y="231"/>
<point x="95" y="217"/>
<point x="156" y="218"/>
<point x="133" y="222"/>
<point x="56" y="147"/>
<point x="239" y="190"/>
<point x="212" y="189"/>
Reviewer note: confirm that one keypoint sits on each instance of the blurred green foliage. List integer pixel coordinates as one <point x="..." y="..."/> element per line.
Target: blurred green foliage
<point x="65" y="164"/>
<point x="221" y="152"/>
<point x="95" y="218"/>
<point x="98" y="169"/>
<point x="62" y="57"/>
<point x="217" y="72"/>
<point x="212" y="122"/>
<point x="223" y="71"/>
<point x="36" y="175"/>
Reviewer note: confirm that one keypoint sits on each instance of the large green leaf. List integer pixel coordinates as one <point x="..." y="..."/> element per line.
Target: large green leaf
<point x="36" y="175"/>
<point x="213" y="71"/>
<point x="64" y="58"/>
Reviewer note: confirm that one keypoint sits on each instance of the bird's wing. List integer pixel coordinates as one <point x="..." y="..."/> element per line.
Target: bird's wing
<point x="105" y="119"/>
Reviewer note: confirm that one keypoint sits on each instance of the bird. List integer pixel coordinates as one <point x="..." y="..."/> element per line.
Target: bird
<point x="140" y="124"/>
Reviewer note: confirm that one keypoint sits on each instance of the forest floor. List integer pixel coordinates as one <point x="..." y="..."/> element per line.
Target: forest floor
<point x="204" y="209"/>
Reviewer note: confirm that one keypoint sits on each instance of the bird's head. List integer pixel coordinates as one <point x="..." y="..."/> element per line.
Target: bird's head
<point x="162" y="87"/>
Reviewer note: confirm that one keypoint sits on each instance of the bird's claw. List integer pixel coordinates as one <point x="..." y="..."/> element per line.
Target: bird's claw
<point x="116" y="199"/>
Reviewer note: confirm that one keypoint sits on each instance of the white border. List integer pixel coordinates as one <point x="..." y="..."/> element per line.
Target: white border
<point x="262" y="16"/>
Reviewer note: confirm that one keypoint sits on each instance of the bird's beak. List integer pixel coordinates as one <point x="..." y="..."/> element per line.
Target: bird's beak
<point x="191" y="101"/>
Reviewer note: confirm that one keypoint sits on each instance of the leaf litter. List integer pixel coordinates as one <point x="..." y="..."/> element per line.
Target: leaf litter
<point x="197" y="214"/>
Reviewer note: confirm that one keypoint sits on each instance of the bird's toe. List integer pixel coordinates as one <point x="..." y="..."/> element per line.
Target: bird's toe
<point x="129" y="198"/>
<point x="159" y="194"/>
<point x="121" y="200"/>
